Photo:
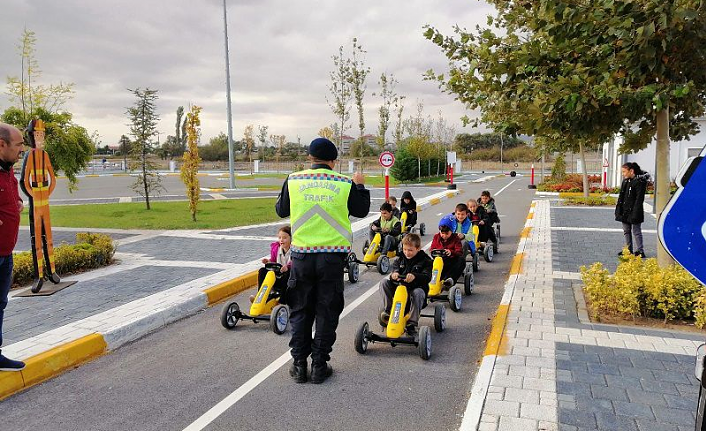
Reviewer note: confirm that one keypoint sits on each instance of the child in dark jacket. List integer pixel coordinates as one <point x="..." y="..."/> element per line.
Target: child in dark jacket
<point x="478" y="216"/>
<point x="414" y="268"/>
<point x="488" y="203"/>
<point x="629" y="208"/>
<point x="395" y="210"/>
<point x="409" y="205"/>
<point x="453" y="248"/>
<point x="389" y="228"/>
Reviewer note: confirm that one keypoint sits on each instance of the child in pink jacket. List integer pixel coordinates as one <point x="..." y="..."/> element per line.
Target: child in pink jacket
<point x="280" y="252"/>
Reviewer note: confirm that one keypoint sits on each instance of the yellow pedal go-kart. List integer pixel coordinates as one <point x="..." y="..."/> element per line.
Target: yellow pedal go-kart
<point x="422" y="228"/>
<point x="484" y="248"/>
<point x="436" y="285"/>
<point x="373" y="257"/>
<point x="474" y="247"/>
<point x="266" y="305"/>
<point x="395" y="331"/>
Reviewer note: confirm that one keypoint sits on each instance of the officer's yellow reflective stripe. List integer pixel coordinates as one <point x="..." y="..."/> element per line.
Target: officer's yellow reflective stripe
<point x="316" y="209"/>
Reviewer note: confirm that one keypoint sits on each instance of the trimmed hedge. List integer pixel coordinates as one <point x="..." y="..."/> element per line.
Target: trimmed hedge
<point x="640" y="287"/>
<point x="92" y="250"/>
<point x="591" y="201"/>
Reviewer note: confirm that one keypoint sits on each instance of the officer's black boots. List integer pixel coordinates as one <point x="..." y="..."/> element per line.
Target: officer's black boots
<point x="320" y="372"/>
<point x="298" y="371"/>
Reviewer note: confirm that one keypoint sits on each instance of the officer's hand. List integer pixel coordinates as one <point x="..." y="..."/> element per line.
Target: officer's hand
<point x="265" y="260"/>
<point x="395" y="276"/>
<point x="409" y="278"/>
<point x="358" y="178"/>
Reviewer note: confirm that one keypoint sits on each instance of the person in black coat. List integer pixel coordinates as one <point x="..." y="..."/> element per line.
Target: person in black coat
<point x="629" y="210"/>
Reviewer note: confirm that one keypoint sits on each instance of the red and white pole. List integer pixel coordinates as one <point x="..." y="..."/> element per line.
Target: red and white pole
<point x="531" y="184"/>
<point x="605" y="178"/>
<point x="387" y="184"/>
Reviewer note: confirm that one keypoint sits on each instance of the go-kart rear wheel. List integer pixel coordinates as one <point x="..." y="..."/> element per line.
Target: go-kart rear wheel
<point x="476" y="263"/>
<point x="455" y="299"/>
<point x="497" y="232"/>
<point x="422" y="229"/>
<point x="439" y="318"/>
<point x="488" y="253"/>
<point x="230" y="315"/>
<point x="279" y="319"/>
<point x="424" y="343"/>
<point x="468" y="281"/>
<point x="361" y="338"/>
<point x="353" y="272"/>
<point x="383" y="265"/>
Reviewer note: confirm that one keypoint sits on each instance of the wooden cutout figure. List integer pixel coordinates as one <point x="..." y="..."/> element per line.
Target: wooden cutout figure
<point x="38" y="182"/>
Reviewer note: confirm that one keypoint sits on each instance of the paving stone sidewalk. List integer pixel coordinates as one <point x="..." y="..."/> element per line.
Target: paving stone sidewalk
<point x="561" y="373"/>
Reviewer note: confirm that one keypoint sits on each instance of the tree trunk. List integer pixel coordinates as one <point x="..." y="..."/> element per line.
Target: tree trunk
<point x="144" y="178"/>
<point x="662" y="176"/>
<point x="584" y="177"/>
<point x="419" y="169"/>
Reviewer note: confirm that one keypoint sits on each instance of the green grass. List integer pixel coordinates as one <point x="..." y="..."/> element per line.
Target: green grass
<point x="212" y="214"/>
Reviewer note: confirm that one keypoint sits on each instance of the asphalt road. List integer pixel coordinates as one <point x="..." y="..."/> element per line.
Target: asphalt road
<point x="169" y="379"/>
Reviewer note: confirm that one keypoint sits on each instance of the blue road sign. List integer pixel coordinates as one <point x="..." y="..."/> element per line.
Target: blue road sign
<point x="682" y="225"/>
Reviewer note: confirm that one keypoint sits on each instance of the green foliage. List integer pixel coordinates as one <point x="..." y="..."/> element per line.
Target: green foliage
<point x="465" y="143"/>
<point x="559" y="168"/>
<point x="69" y="145"/>
<point x="92" y="250"/>
<point x="591" y="201"/>
<point x="406" y="168"/>
<point x="640" y="287"/>
<point x="216" y="149"/>
<point x="143" y="127"/>
<point x="191" y="160"/>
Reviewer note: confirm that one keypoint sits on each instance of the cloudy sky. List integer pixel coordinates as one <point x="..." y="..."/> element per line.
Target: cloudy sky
<point x="280" y="55"/>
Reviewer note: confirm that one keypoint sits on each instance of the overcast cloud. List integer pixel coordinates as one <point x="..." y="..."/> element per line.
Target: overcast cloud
<point x="280" y="55"/>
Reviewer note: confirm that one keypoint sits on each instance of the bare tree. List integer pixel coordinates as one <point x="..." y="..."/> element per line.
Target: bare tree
<point x="341" y="92"/>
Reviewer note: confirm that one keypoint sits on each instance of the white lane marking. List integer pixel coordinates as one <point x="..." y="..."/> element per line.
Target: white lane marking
<point x="260" y="377"/>
<point x="478" y="392"/>
<point x="503" y="189"/>
<point x="439" y="214"/>
<point x="596" y="229"/>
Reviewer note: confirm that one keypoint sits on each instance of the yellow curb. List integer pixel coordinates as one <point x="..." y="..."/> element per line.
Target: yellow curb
<point x="215" y="190"/>
<point x="450" y="195"/>
<point x="121" y="175"/>
<point x="435" y="201"/>
<point x="516" y="266"/>
<point x="530" y="216"/>
<point x="525" y="232"/>
<point x="92" y="176"/>
<point x="534" y="204"/>
<point x="229" y="288"/>
<point x="51" y="363"/>
<point x="497" y="343"/>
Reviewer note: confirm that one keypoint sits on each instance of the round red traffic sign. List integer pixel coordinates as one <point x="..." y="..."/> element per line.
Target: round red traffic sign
<point x="387" y="159"/>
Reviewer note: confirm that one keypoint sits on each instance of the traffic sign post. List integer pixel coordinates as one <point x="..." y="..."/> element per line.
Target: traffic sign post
<point x="605" y="173"/>
<point x="531" y="184"/>
<point x="682" y="224"/>
<point x="450" y="161"/>
<point x="387" y="160"/>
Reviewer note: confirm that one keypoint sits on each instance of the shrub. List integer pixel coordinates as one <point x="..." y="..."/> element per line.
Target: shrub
<point x="640" y="287"/>
<point x="92" y="250"/>
<point x="559" y="168"/>
<point x="591" y="201"/>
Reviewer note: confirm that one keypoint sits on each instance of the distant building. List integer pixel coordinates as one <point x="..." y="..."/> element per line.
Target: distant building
<point x="346" y="143"/>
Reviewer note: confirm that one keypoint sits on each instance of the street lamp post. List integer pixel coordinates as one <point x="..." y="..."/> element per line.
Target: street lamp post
<point x="231" y="156"/>
<point x="502" y="171"/>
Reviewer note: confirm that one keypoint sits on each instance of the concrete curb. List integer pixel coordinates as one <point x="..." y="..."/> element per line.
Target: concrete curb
<point x="496" y="344"/>
<point x="129" y="325"/>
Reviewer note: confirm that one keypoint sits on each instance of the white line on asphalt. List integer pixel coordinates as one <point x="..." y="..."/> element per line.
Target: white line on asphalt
<point x="597" y="229"/>
<point x="503" y="189"/>
<point x="439" y="214"/>
<point x="260" y="377"/>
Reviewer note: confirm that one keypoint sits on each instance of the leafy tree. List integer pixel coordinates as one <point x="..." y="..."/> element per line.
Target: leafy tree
<point x="191" y="160"/>
<point x="397" y="134"/>
<point x="143" y="127"/>
<point x="124" y="145"/>
<point x="584" y="71"/>
<point x="262" y="137"/>
<point x="357" y="76"/>
<point x="341" y="92"/>
<point x="278" y="142"/>
<point x="26" y="93"/>
<point x="327" y="133"/>
<point x="217" y="148"/>
<point x="180" y="132"/>
<point x="249" y="142"/>
<point x="389" y="98"/>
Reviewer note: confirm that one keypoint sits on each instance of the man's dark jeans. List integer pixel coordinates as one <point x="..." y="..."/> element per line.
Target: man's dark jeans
<point x="5" y="283"/>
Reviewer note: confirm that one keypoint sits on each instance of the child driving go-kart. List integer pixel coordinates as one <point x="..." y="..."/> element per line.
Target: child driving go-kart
<point x="488" y="203"/>
<point x="279" y="253"/>
<point x="414" y="268"/>
<point x="388" y="226"/>
<point x="452" y="246"/>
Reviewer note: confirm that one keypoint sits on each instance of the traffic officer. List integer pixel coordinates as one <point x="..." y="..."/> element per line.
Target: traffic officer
<point x="319" y="202"/>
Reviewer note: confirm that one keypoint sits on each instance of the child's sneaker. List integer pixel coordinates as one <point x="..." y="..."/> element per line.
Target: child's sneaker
<point x="449" y="282"/>
<point x="384" y="317"/>
<point x="252" y="298"/>
<point x="7" y="364"/>
<point x="411" y="330"/>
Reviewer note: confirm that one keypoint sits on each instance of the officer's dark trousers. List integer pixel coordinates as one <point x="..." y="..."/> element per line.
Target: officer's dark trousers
<point x="315" y="294"/>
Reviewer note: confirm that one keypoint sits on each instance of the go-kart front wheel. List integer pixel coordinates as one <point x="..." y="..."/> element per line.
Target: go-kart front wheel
<point x="353" y="272"/>
<point x="383" y="265"/>
<point x="422" y="229"/>
<point x="424" y="343"/>
<point x="361" y="338"/>
<point x="230" y="315"/>
<point x="488" y="252"/>
<point x="468" y="281"/>
<point x="439" y="317"/>
<point x="279" y="319"/>
<point x="476" y="263"/>
<point x="455" y="299"/>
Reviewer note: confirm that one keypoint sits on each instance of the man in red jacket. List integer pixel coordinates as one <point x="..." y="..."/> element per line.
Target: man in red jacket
<point x="10" y="208"/>
<point x="453" y="247"/>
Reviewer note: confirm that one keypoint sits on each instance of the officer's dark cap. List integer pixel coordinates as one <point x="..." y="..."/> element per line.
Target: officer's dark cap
<point x="323" y="149"/>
